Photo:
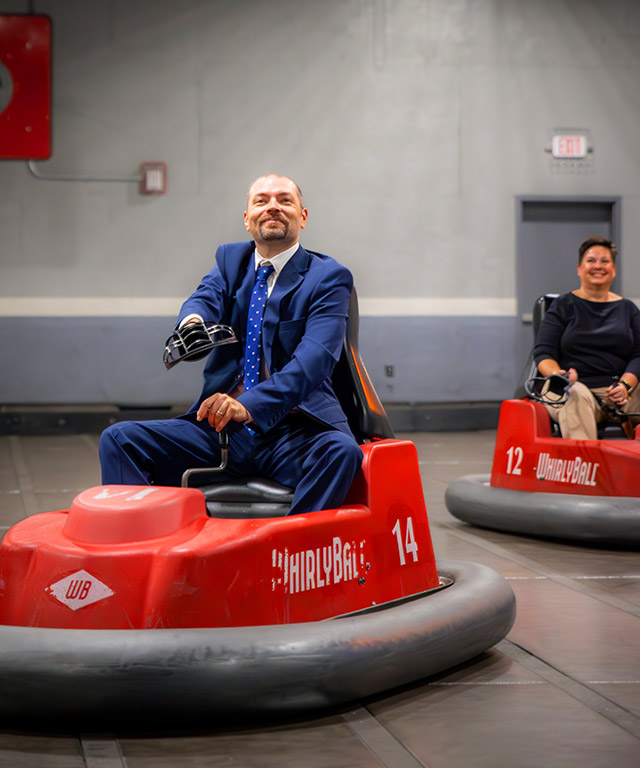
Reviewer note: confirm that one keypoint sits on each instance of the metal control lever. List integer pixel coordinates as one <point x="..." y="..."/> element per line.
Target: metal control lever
<point x="224" y="455"/>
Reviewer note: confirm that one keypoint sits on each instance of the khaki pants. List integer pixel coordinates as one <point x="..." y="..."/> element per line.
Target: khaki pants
<point x="581" y="413"/>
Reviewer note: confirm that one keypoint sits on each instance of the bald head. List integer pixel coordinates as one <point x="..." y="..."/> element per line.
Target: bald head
<point x="282" y="178"/>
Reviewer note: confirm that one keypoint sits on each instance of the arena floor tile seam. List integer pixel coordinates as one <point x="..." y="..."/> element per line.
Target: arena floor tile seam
<point x="91" y="443"/>
<point x="102" y="752"/>
<point x="25" y="483"/>
<point x="377" y="738"/>
<point x="452" y="683"/>
<point x="579" y="585"/>
<point x="49" y="491"/>
<point x="612" y="682"/>
<point x="583" y="693"/>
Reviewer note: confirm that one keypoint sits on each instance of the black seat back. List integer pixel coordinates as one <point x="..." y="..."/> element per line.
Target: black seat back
<point x="539" y="308"/>
<point x="352" y="385"/>
<point x="541" y="305"/>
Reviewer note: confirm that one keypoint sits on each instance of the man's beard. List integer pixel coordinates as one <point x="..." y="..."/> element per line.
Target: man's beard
<point x="274" y="234"/>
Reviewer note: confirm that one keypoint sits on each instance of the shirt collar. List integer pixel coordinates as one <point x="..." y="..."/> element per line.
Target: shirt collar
<point x="279" y="260"/>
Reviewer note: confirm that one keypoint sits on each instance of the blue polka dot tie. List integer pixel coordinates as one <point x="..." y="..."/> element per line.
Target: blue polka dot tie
<point x="254" y="327"/>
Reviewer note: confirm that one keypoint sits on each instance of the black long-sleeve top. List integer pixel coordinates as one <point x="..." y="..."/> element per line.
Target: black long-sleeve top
<point x="601" y="340"/>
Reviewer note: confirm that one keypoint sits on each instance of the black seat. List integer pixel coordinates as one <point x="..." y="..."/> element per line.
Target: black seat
<point x="541" y="305"/>
<point x="539" y="308"/>
<point x="260" y="497"/>
<point x="353" y="387"/>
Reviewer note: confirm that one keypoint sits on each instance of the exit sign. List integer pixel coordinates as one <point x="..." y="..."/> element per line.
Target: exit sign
<point x="573" y="146"/>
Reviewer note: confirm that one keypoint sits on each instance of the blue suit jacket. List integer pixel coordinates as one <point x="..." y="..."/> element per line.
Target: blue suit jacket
<point x="302" y="332"/>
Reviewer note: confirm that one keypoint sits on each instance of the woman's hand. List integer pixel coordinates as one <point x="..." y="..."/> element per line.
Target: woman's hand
<point x="549" y="367"/>
<point x="618" y="394"/>
<point x="572" y="374"/>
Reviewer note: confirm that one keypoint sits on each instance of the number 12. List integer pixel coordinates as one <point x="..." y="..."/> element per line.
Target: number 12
<point x="515" y="454"/>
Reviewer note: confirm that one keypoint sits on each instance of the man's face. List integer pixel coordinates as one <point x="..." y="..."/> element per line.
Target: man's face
<point x="274" y="214"/>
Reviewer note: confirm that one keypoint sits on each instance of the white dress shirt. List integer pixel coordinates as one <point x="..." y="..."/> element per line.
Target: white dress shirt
<point x="278" y="261"/>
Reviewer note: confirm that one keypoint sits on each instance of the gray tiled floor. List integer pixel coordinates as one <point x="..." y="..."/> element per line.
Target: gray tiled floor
<point x="562" y="690"/>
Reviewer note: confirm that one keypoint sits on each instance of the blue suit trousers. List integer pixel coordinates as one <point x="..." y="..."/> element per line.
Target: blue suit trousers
<point x="316" y="460"/>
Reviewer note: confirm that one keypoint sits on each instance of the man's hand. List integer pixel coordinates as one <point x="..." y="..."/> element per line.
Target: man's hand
<point x="220" y="409"/>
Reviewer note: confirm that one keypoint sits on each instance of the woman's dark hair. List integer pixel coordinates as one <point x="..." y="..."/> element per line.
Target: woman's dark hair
<point x="591" y="241"/>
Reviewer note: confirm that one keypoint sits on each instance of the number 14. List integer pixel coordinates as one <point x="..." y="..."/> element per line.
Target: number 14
<point x="410" y="544"/>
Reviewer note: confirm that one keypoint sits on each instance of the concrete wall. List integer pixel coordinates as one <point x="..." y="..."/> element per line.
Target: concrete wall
<point x="411" y="126"/>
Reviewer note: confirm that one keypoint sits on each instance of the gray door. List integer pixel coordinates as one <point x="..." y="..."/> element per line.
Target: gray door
<point x="549" y="231"/>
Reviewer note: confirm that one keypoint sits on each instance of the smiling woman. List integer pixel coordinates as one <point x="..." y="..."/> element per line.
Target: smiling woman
<point x="593" y="336"/>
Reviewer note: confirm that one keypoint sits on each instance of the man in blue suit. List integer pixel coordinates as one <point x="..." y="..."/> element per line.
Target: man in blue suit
<point x="287" y="424"/>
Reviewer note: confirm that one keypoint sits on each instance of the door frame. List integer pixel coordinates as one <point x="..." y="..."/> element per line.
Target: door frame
<point x="615" y="201"/>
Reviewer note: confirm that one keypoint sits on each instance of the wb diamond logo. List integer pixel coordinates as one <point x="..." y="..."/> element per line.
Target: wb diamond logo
<point x="79" y="589"/>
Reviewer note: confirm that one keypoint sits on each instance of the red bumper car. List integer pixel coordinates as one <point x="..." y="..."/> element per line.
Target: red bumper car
<point x="584" y="491"/>
<point x="143" y="606"/>
<point x="540" y="485"/>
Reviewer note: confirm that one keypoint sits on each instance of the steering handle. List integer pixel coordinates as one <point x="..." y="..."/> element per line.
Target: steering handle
<point x="538" y="388"/>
